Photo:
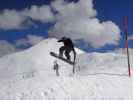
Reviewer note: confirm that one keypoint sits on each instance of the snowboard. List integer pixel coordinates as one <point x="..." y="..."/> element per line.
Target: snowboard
<point x="61" y="58"/>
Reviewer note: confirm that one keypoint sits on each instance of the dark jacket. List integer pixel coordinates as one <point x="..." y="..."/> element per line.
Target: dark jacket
<point x="67" y="42"/>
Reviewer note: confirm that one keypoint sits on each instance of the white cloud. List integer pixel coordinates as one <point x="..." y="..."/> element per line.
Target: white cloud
<point x="107" y="33"/>
<point x="78" y="21"/>
<point x="40" y="13"/>
<point x="84" y="8"/>
<point x="29" y="40"/>
<point x="130" y="37"/>
<point x="6" y="48"/>
<point x="12" y="19"/>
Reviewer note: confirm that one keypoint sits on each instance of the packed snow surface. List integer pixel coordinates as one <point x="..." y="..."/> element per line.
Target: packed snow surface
<point x="29" y="75"/>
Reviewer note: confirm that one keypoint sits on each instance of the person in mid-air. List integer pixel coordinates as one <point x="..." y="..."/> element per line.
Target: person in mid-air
<point x="67" y="48"/>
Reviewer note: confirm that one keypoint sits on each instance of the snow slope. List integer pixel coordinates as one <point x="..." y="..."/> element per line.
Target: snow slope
<point x="29" y="75"/>
<point x="34" y="59"/>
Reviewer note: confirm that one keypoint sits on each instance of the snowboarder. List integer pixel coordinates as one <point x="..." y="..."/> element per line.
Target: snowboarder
<point x="67" y="48"/>
<point x="56" y="67"/>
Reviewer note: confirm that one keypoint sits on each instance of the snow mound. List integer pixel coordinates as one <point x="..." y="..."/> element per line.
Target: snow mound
<point x="103" y="63"/>
<point x="29" y="75"/>
<point x="35" y="59"/>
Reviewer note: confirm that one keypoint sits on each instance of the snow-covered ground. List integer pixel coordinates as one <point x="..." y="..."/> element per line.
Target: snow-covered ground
<point x="29" y="75"/>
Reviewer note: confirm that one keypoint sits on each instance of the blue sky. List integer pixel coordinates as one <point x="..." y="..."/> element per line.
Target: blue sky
<point x="113" y="10"/>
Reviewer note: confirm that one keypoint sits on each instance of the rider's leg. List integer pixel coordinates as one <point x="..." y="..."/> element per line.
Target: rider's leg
<point x="61" y="50"/>
<point x="67" y="54"/>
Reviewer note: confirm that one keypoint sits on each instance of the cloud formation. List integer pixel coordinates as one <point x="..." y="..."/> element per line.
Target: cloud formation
<point x="73" y="19"/>
<point x="12" y="19"/>
<point x="130" y="37"/>
<point x="40" y="13"/>
<point x="29" y="40"/>
<point x="78" y="21"/>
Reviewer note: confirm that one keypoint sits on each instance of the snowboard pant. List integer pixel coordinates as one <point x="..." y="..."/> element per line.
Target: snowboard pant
<point x="67" y="51"/>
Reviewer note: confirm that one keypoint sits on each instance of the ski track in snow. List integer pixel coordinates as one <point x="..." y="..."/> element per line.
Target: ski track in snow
<point x="29" y="75"/>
